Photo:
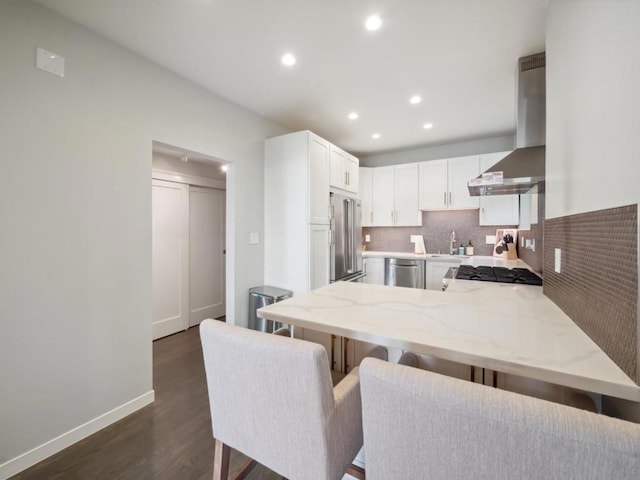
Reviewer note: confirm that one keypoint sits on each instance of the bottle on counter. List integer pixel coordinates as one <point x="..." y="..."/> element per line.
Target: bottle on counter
<point x="469" y="248"/>
<point x="461" y="250"/>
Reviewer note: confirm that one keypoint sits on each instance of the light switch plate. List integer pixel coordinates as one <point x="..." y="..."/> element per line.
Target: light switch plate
<point x="491" y="240"/>
<point x="254" y="238"/>
<point x="558" y="260"/>
<point x="50" y="62"/>
<point x="522" y="241"/>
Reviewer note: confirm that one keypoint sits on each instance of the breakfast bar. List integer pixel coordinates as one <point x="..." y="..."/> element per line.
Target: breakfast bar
<point x="509" y="328"/>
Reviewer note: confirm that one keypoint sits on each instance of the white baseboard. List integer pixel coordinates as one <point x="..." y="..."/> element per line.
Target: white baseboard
<point x="39" y="453"/>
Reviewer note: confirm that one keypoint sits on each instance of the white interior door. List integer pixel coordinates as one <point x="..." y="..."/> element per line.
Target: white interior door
<point x="206" y="254"/>
<point x="170" y="214"/>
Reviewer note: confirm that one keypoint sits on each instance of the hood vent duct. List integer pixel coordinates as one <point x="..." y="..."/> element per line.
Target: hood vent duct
<point x="523" y="168"/>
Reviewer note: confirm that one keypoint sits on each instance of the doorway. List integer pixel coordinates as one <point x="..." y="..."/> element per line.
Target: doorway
<point x="188" y="240"/>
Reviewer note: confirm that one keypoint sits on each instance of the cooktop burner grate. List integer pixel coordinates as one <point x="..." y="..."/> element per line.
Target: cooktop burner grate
<point x="498" y="274"/>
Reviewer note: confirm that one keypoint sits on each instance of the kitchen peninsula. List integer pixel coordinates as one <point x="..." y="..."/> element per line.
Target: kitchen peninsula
<point x="513" y="329"/>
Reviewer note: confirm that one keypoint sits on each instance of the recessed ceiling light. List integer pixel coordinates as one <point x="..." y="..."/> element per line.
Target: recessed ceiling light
<point x="427" y="126"/>
<point x="374" y="22"/>
<point x="375" y="136"/>
<point x="288" y="59"/>
<point x="353" y="115"/>
<point x="415" y="99"/>
<point x="224" y="168"/>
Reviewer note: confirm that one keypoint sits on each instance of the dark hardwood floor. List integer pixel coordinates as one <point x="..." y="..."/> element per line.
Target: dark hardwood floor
<point x="168" y="440"/>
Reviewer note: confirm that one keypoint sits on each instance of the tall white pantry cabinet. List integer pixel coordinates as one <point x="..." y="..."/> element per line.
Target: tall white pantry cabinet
<point x="296" y="212"/>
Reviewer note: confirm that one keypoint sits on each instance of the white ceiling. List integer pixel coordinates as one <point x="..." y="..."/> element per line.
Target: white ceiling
<point x="459" y="55"/>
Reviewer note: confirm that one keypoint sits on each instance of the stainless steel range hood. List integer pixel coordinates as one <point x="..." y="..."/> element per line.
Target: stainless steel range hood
<point x="523" y="168"/>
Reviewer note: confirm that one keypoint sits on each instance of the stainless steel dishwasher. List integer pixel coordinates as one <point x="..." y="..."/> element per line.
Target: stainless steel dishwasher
<point x="401" y="272"/>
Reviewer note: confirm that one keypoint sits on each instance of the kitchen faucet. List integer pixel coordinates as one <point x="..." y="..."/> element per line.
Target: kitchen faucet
<point x="452" y="241"/>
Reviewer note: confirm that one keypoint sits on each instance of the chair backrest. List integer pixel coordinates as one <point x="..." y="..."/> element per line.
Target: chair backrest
<point x="419" y="424"/>
<point x="270" y="396"/>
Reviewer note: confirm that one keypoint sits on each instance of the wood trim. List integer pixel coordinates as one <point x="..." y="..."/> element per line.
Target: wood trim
<point x="356" y="471"/>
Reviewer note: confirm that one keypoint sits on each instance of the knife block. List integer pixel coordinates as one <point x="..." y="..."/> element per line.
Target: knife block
<point x="510" y="254"/>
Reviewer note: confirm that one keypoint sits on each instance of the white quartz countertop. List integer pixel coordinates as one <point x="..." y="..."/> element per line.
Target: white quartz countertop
<point x="510" y="328"/>
<point x="475" y="260"/>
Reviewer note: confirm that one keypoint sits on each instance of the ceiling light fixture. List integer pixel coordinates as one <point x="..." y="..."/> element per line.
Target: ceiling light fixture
<point x="288" y="59"/>
<point x="353" y="115"/>
<point x="427" y="126"/>
<point x="415" y="99"/>
<point x="375" y="136"/>
<point x="373" y="23"/>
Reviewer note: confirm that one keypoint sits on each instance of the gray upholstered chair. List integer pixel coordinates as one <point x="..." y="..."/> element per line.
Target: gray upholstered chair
<point x="418" y="424"/>
<point x="271" y="398"/>
<point x="409" y="359"/>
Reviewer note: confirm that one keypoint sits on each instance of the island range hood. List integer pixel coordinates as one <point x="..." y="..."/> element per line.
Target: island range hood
<point x="523" y="168"/>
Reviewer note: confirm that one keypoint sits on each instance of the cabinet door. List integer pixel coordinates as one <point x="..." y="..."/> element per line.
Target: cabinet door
<point x="498" y="209"/>
<point x="374" y="271"/>
<point x="319" y="269"/>
<point x="366" y="195"/>
<point x="407" y="210"/>
<point x="433" y="185"/>
<point x="338" y="172"/>
<point x="318" y="180"/>
<point x="383" y="196"/>
<point x="351" y="164"/>
<point x="461" y="170"/>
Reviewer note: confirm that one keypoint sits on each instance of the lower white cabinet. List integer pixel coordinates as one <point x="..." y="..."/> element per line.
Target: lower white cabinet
<point x="436" y="270"/>
<point x="374" y="268"/>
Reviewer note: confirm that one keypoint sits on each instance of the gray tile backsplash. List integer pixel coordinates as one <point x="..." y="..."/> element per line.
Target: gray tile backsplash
<point x="436" y="229"/>
<point x="598" y="284"/>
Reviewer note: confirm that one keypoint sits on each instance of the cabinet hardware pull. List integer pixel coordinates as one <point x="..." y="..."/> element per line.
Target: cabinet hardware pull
<point x="392" y="216"/>
<point x="445" y="198"/>
<point x="371" y="217"/>
<point x="449" y="198"/>
<point x="348" y="179"/>
<point x="344" y="346"/>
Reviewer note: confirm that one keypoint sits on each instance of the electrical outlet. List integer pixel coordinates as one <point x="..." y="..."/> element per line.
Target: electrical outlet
<point x="367" y="238"/>
<point x="490" y="239"/>
<point x="558" y="260"/>
<point x="531" y="244"/>
<point x="522" y="241"/>
<point x="254" y="238"/>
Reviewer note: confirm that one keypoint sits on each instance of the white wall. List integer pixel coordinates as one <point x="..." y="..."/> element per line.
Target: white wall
<point x="593" y="105"/>
<point x="75" y="247"/>
<point x="434" y="152"/>
<point x="593" y="110"/>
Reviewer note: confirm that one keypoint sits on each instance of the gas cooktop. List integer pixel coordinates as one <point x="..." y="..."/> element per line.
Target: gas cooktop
<point x="498" y="274"/>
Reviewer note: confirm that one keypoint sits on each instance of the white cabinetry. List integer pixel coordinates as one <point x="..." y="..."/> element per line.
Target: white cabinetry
<point x="296" y="206"/>
<point x="443" y="183"/>
<point x="344" y="170"/>
<point x="366" y="195"/>
<point x="395" y="196"/>
<point x="374" y="268"/>
<point x="498" y="209"/>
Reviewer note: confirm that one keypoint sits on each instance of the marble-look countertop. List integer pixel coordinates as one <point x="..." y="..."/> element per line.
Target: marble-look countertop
<point x="475" y="260"/>
<point x="510" y="328"/>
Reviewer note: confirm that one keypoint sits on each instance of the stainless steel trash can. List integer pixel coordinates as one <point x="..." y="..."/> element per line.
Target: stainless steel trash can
<point x="260" y="297"/>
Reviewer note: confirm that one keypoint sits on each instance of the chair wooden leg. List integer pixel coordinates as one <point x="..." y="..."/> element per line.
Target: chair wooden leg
<point x="356" y="471"/>
<point x="221" y="461"/>
<point x="244" y="470"/>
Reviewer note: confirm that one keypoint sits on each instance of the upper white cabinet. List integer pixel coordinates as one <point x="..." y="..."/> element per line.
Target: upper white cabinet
<point x="395" y="196"/>
<point x="365" y="178"/>
<point x="498" y="209"/>
<point x="344" y="170"/>
<point x="443" y="183"/>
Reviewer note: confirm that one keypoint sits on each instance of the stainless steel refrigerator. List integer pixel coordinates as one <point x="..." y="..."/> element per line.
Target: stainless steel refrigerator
<point x="346" y="236"/>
